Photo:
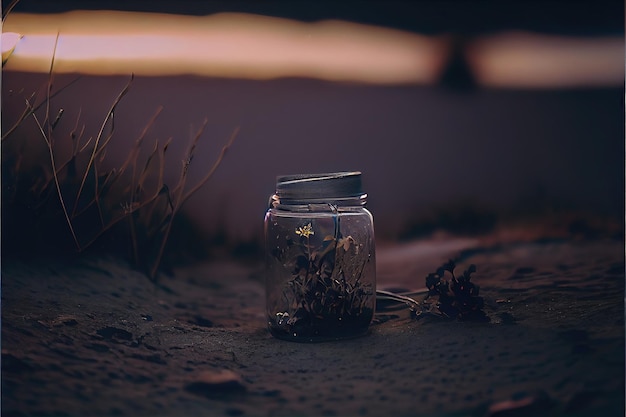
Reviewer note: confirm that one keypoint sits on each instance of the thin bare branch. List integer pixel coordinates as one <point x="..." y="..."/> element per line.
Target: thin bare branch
<point x="74" y="136"/>
<point x="162" y="163"/>
<point x="23" y="116"/>
<point x="96" y="194"/>
<point x="86" y="143"/>
<point x="57" y="119"/>
<point x="182" y="196"/>
<point x="31" y="109"/>
<point x="72" y="159"/>
<point x="132" y="208"/>
<point x="146" y="168"/>
<point x="134" y="153"/>
<point x="117" y="175"/>
<point x="98" y="137"/>
<point x="9" y="9"/>
<point x="56" y="181"/>
<point x="213" y="168"/>
<point x="179" y="190"/>
<point x="49" y="89"/>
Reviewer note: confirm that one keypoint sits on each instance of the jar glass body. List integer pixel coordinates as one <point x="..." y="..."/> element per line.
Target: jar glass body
<point x="321" y="271"/>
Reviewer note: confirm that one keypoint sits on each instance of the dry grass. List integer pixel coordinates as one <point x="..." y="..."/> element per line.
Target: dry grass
<point x="81" y="193"/>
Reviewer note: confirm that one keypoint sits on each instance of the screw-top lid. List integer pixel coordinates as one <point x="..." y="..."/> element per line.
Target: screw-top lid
<point x="331" y="187"/>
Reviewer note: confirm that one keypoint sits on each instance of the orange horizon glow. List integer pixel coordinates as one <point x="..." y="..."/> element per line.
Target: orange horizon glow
<point x="245" y="46"/>
<point x="540" y="61"/>
<point x="232" y="45"/>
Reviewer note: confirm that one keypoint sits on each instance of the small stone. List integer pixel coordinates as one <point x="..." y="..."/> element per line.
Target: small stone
<point x="216" y="384"/>
<point x="62" y="320"/>
<point x="200" y="321"/>
<point x="114" y="334"/>
<point x="522" y="404"/>
<point x="505" y="318"/>
<point x="67" y="321"/>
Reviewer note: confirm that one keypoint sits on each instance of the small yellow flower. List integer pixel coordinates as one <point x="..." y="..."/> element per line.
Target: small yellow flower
<point x="305" y="231"/>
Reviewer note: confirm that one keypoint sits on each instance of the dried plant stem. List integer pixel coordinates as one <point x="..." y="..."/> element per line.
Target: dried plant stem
<point x="56" y="179"/>
<point x="8" y="9"/>
<point x="110" y="179"/>
<point x="49" y="91"/>
<point x="129" y="212"/>
<point x="75" y="150"/>
<point x="31" y="109"/>
<point x="214" y="167"/>
<point x="182" y="196"/>
<point x="131" y="217"/>
<point x="178" y="196"/>
<point x="48" y="140"/>
<point x="402" y="298"/>
<point x="108" y="117"/>
<point x="130" y="160"/>
<point x="134" y="153"/>
<point x="125" y="192"/>
<point x="115" y="221"/>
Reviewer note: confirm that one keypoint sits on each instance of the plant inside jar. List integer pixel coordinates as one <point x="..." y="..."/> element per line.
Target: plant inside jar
<point x="326" y="296"/>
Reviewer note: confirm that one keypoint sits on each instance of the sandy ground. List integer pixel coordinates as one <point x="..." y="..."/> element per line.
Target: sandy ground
<point x="95" y="338"/>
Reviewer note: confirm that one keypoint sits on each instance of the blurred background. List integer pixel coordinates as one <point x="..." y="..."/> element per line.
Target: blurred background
<point x="462" y="115"/>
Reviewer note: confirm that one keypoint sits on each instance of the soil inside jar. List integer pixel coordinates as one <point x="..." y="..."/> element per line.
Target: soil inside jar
<point x="320" y="329"/>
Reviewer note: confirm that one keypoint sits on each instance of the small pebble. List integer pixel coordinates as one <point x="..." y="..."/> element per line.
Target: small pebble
<point x="216" y="383"/>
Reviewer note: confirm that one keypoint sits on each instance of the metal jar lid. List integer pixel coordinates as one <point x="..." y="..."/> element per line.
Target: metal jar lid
<point x="329" y="187"/>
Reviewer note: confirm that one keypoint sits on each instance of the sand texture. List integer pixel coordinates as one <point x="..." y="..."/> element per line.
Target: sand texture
<point x="95" y="338"/>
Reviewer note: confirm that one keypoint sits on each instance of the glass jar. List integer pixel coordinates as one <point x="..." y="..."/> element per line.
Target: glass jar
<point x="321" y="264"/>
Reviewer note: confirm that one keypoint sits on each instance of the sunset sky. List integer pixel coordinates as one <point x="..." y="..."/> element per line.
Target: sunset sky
<point x="261" y="46"/>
